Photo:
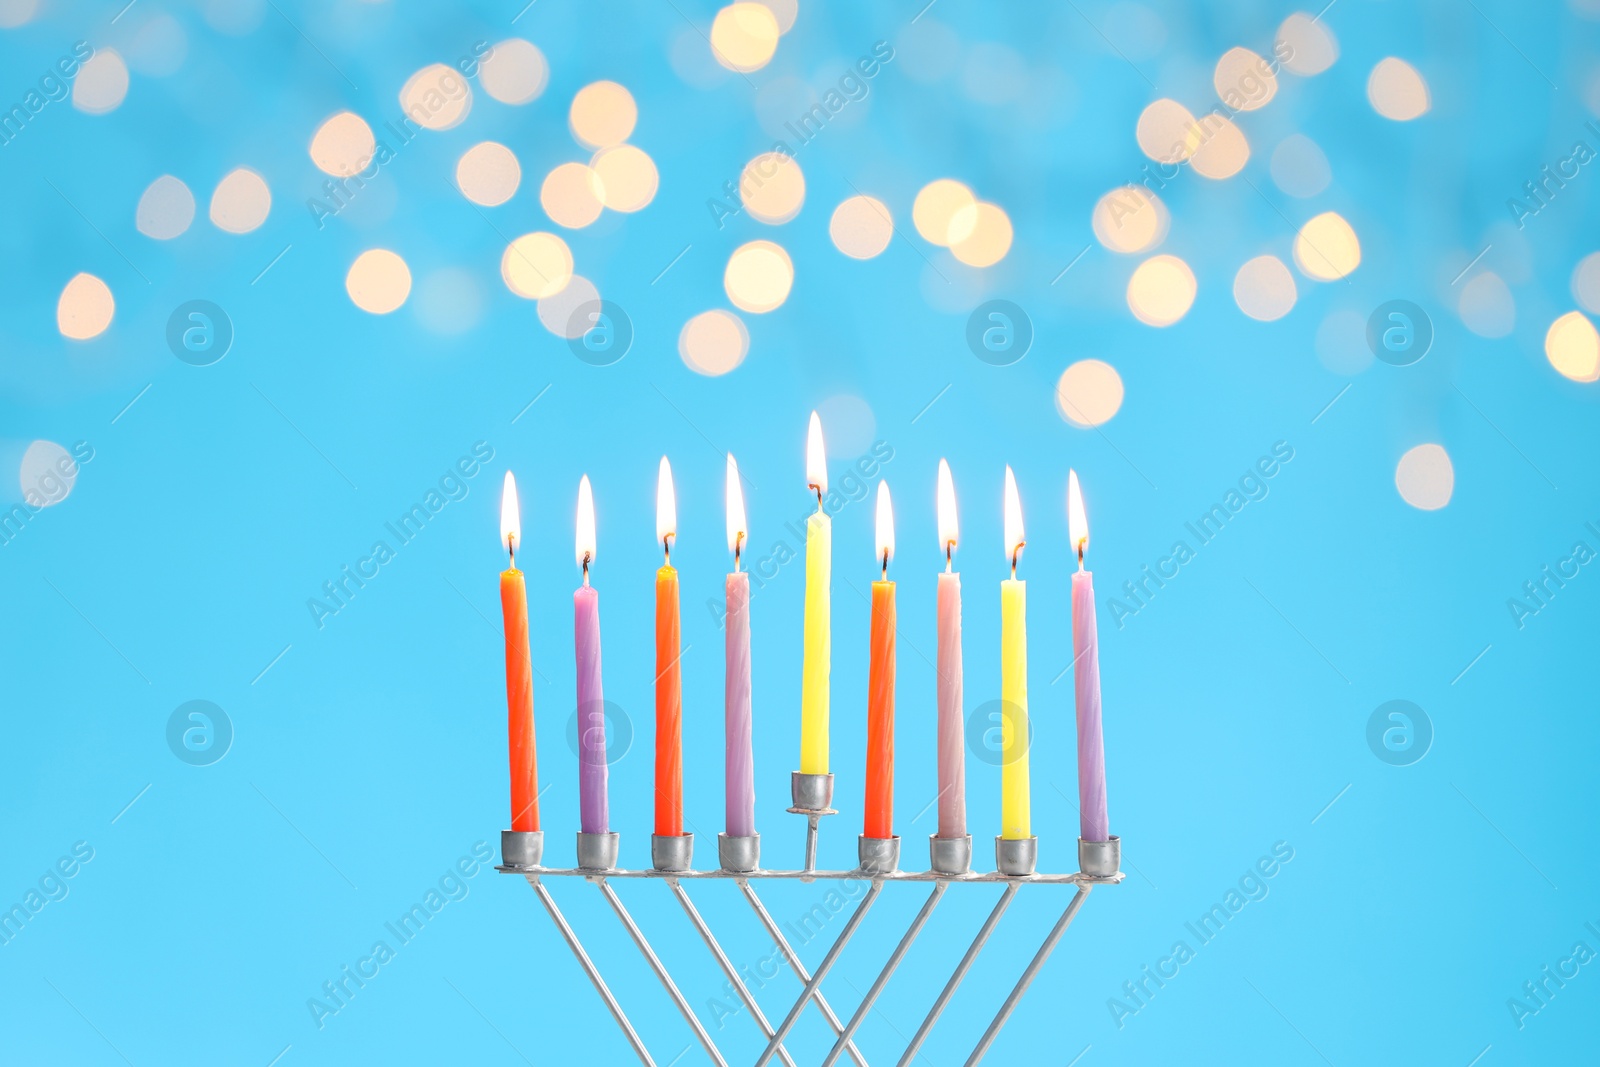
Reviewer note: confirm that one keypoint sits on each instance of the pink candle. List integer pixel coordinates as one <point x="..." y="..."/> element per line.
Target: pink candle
<point x="1093" y="824"/>
<point x="739" y="768"/>
<point x="594" y="817"/>
<point x="952" y="752"/>
<point x="741" y="786"/>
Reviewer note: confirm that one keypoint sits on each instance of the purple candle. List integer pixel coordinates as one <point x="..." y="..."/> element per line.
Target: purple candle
<point x="1093" y="824"/>
<point x="739" y="767"/>
<point x="594" y="816"/>
<point x="948" y="687"/>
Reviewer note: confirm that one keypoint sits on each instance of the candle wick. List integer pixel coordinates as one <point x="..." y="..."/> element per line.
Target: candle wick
<point x="886" y="564"/>
<point x="1081" y="546"/>
<point x="949" y="551"/>
<point x="818" y="490"/>
<point x="586" y="568"/>
<point x="738" y="543"/>
<point x="511" y="550"/>
<point x="666" y="549"/>
<point x="1015" y="553"/>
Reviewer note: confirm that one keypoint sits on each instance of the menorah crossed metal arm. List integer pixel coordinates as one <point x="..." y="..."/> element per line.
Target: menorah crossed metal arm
<point x="1099" y="864"/>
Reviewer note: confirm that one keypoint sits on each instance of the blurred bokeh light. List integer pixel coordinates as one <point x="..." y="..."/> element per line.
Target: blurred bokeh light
<point x="759" y="276"/>
<point x="861" y="227"/>
<point x="1089" y="393"/>
<point x="713" y="342"/>
<point x="379" y="281"/>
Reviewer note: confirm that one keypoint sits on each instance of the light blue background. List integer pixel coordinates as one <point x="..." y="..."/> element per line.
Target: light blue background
<point x="372" y="754"/>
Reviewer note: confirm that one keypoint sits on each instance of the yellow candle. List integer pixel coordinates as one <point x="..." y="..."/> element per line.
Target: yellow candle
<point x="1014" y="794"/>
<point x="818" y="621"/>
<point x="1015" y="797"/>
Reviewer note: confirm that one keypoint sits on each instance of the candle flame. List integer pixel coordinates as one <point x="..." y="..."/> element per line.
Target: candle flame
<point x="949" y="529"/>
<point x="1077" y="519"/>
<point x="735" y="499"/>
<point x="885" y="526"/>
<point x="1013" y="523"/>
<point x="510" y="516"/>
<point x="816" y="458"/>
<point x="585" y="539"/>
<point x="666" y="504"/>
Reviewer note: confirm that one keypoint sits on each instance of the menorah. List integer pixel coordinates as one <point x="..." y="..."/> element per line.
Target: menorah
<point x="739" y="858"/>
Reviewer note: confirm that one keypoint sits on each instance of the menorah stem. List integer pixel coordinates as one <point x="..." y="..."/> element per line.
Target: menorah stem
<point x="661" y="972"/>
<point x="967" y="960"/>
<point x="727" y="966"/>
<point x="888" y="971"/>
<point x="822" y="970"/>
<point x="811" y="842"/>
<point x="589" y="969"/>
<point x="799" y="968"/>
<point x="1028" y="975"/>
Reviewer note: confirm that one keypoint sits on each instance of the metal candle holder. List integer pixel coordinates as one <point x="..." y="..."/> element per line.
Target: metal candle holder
<point x="1099" y="863"/>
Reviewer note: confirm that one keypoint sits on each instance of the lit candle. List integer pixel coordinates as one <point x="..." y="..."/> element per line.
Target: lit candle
<point x="952" y="751"/>
<point x="818" y="625"/>
<point x="669" y="681"/>
<point x="1015" y="803"/>
<point x="519" y="670"/>
<point x="879" y="820"/>
<point x="1093" y="824"/>
<point x="739" y="764"/>
<point x="593" y="814"/>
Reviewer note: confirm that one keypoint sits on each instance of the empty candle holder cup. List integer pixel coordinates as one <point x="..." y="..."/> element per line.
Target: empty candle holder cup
<point x="739" y="854"/>
<point x="521" y="849"/>
<point x="597" y="852"/>
<point x="1016" y="857"/>
<point x="1101" y="860"/>
<point x="670" y="852"/>
<point x="950" y="855"/>
<point x="879" y="855"/>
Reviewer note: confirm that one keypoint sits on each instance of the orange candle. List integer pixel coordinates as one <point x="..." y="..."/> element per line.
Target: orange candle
<point x="879" y="820"/>
<point x="519" y="671"/>
<point x="669" y="679"/>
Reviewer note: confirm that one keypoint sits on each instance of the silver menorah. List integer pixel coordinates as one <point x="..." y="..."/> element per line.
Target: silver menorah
<point x="739" y="858"/>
